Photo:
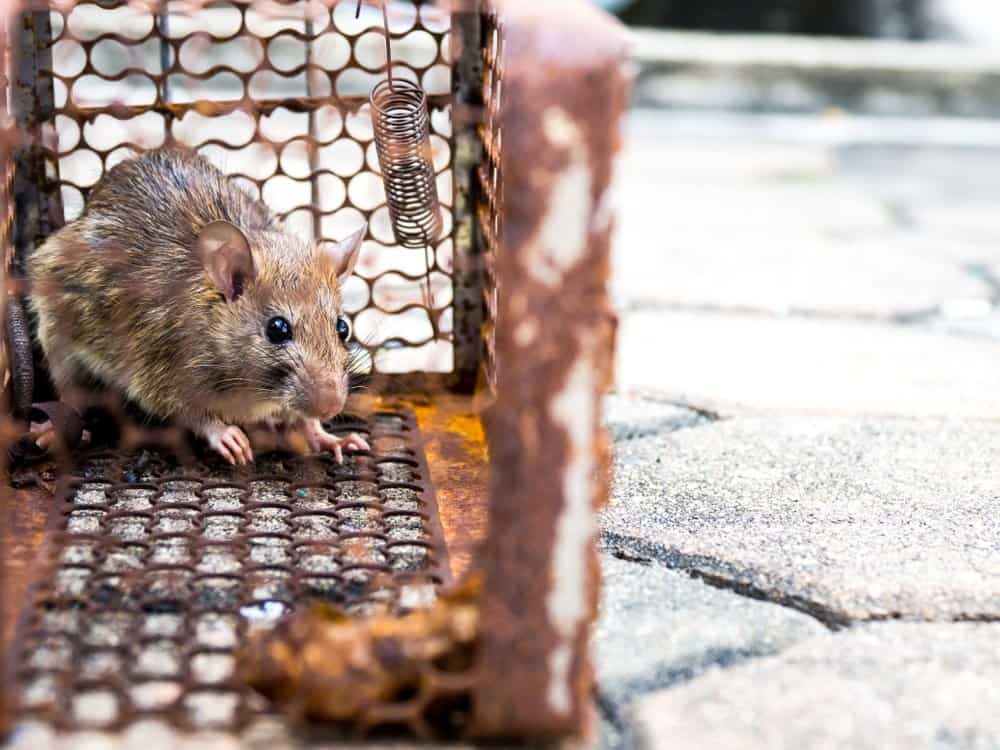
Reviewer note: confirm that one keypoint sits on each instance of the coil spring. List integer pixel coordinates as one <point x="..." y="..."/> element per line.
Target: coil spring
<point x="402" y="140"/>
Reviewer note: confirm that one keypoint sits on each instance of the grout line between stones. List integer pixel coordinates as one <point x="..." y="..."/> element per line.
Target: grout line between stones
<point x="642" y="552"/>
<point x="610" y="713"/>
<point x="983" y="272"/>
<point x="791" y="313"/>
<point x="706" y="413"/>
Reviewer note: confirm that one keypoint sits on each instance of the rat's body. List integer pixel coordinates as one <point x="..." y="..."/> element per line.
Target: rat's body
<point x="167" y="289"/>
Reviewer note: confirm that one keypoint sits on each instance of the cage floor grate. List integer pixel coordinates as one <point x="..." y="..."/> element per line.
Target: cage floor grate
<point x="155" y="573"/>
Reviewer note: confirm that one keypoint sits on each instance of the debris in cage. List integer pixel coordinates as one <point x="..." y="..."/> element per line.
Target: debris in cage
<point x="322" y="665"/>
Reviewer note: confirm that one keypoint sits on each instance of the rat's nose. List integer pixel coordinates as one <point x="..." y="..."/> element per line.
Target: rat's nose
<point x="329" y="399"/>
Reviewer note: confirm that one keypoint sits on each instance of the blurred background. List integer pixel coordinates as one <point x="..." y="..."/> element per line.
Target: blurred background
<point x="809" y="217"/>
<point x="807" y="270"/>
<point x="909" y="19"/>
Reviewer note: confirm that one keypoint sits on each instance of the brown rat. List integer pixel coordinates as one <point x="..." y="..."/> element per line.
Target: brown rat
<point x="184" y="293"/>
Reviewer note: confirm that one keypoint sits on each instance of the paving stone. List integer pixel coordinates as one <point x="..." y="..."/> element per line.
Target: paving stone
<point x="883" y="686"/>
<point x="985" y="324"/>
<point x="799" y="270"/>
<point x="744" y="223"/>
<point x="732" y="362"/>
<point x="629" y="418"/>
<point x="609" y="737"/>
<point x="684" y="627"/>
<point x="848" y="519"/>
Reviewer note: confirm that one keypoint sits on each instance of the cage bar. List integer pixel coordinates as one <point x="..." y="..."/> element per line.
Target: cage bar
<point x="557" y="93"/>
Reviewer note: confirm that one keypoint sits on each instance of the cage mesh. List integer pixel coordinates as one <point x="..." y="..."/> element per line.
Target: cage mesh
<point x="156" y="571"/>
<point x="276" y="95"/>
<point x="490" y="202"/>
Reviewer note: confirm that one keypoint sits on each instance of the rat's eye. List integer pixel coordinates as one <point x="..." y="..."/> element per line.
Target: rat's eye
<point x="343" y="329"/>
<point x="279" y="331"/>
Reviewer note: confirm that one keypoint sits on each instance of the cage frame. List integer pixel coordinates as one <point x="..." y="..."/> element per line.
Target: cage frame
<point x="540" y="446"/>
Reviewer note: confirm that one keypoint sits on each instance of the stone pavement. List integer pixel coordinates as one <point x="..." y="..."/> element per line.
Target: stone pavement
<point x="803" y="544"/>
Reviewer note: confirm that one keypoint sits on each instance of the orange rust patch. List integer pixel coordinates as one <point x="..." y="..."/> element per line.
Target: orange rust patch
<point x="455" y="446"/>
<point x="26" y="513"/>
<point x="456" y="453"/>
<point x="416" y="670"/>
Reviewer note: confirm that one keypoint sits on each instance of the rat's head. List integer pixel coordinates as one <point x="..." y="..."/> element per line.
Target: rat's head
<point x="280" y="337"/>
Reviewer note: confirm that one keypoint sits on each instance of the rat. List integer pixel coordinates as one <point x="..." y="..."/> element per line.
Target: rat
<point x="186" y="295"/>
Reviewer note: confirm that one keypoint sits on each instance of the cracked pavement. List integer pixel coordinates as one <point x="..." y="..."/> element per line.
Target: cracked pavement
<point x="803" y="543"/>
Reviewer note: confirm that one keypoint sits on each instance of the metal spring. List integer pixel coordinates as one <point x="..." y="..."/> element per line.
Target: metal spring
<point x="402" y="140"/>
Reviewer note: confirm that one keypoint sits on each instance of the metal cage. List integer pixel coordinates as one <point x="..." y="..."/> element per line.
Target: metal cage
<point x="137" y="570"/>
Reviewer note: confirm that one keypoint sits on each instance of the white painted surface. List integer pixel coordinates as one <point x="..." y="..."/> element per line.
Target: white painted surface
<point x="574" y="409"/>
<point x="562" y="239"/>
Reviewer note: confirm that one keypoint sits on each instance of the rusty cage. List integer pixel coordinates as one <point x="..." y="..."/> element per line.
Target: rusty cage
<point x="134" y="572"/>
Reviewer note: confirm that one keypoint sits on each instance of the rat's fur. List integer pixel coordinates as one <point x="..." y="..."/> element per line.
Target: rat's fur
<point x="122" y="300"/>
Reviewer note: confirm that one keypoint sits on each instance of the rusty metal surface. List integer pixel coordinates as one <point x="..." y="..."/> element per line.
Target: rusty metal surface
<point x="563" y="94"/>
<point x="467" y="114"/>
<point x="9" y="401"/>
<point x="276" y="94"/>
<point x="154" y="572"/>
<point x="458" y="459"/>
<point x="24" y="521"/>
<point x="489" y="197"/>
<point x="410" y="674"/>
<point x="38" y="209"/>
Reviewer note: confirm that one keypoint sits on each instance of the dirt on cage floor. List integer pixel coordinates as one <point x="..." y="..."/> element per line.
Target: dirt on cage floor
<point x="165" y="519"/>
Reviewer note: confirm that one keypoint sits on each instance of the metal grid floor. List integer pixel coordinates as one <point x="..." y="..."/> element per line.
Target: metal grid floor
<point x="155" y="573"/>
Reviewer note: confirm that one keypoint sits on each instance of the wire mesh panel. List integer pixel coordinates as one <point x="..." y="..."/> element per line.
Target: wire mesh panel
<point x="276" y="95"/>
<point x="7" y="134"/>
<point x="491" y="198"/>
<point x="157" y="571"/>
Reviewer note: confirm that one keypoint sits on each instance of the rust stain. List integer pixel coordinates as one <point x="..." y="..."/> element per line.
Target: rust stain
<point x="456" y="450"/>
<point x="414" y="671"/>
<point x="26" y="512"/>
<point x="553" y="342"/>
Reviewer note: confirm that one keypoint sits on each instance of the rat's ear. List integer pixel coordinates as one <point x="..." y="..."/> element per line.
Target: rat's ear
<point x="343" y="255"/>
<point x="224" y="251"/>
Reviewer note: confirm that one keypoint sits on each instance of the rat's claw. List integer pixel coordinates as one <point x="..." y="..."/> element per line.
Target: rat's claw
<point x="354" y="442"/>
<point x="320" y="440"/>
<point x="231" y="443"/>
<point x="44" y="435"/>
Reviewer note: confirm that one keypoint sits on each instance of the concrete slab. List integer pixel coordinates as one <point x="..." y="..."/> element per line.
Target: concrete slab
<point x="658" y="627"/>
<point x="807" y="74"/>
<point x="846" y="519"/>
<point x="883" y="686"/>
<point x="743" y="363"/>
<point x="628" y="417"/>
<point x="737" y="221"/>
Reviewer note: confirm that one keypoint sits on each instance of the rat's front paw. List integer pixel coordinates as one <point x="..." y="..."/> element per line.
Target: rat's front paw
<point x="45" y="437"/>
<point x="230" y="442"/>
<point x="320" y="440"/>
